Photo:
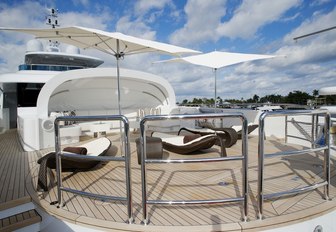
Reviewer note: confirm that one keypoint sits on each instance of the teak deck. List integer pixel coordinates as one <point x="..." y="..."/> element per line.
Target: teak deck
<point x="194" y="181"/>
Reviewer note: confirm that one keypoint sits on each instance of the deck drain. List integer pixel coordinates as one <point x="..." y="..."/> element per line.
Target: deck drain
<point x="320" y="166"/>
<point x="223" y="183"/>
<point x="296" y="178"/>
<point x="102" y="202"/>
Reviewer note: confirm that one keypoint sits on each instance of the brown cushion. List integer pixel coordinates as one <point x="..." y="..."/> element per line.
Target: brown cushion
<point x="153" y="148"/>
<point x="188" y="138"/>
<point x="77" y="150"/>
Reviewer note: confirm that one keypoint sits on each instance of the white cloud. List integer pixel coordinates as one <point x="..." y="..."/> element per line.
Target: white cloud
<point x="13" y="57"/>
<point x="319" y="21"/>
<point x="252" y="15"/>
<point x="309" y="63"/>
<point x="202" y="18"/>
<point x="319" y="2"/>
<point x="150" y="11"/>
<point x="291" y="18"/>
<point x="13" y="44"/>
<point x="83" y="19"/>
<point x="22" y="15"/>
<point x="143" y="6"/>
<point x="84" y="3"/>
<point x="135" y="28"/>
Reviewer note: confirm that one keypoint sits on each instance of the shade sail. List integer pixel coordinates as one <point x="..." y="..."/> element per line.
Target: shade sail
<point x="85" y="38"/>
<point x="218" y="59"/>
<point x="114" y="43"/>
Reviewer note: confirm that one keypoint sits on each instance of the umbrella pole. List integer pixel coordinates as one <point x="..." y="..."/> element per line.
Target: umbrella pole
<point x="118" y="56"/>
<point x="118" y="75"/>
<point x="215" y="88"/>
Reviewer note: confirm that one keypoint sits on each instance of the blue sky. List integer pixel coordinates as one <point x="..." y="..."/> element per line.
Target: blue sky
<point x="247" y="26"/>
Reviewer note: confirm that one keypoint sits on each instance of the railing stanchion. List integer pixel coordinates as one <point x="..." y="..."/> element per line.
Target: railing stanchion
<point x="58" y="163"/>
<point x="245" y="168"/>
<point x="261" y="196"/>
<point x="261" y="166"/>
<point x="243" y="158"/>
<point x="143" y="173"/>
<point x="126" y="159"/>
<point x="327" y="125"/>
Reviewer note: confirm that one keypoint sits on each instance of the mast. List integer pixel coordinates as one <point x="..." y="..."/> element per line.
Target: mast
<point x="52" y="20"/>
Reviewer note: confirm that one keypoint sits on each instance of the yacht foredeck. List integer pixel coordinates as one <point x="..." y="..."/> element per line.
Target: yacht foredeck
<point x="195" y="181"/>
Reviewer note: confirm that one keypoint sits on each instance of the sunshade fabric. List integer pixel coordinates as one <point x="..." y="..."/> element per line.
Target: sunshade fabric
<point x="219" y="59"/>
<point x="84" y="38"/>
<point x="114" y="43"/>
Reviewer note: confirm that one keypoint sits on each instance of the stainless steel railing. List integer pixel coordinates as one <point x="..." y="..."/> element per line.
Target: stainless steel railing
<point x="126" y="158"/>
<point x="262" y="156"/>
<point x="308" y="137"/>
<point x="243" y="157"/>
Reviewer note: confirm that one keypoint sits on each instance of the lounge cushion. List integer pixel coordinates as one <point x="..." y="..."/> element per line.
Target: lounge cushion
<point x="181" y="145"/>
<point x="153" y="148"/>
<point x="77" y="150"/>
<point x="189" y="138"/>
<point x="97" y="147"/>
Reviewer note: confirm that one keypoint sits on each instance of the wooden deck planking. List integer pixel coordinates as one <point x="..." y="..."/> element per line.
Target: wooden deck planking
<point x="79" y="183"/>
<point x="13" y="168"/>
<point x="7" y="170"/>
<point x="188" y="191"/>
<point x="5" y="164"/>
<point x="173" y="181"/>
<point x="96" y="188"/>
<point x="103" y="213"/>
<point x="173" y="177"/>
<point x="104" y="186"/>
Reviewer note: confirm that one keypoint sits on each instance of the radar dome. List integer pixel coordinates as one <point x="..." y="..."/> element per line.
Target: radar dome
<point x="34" y="46"/>
<point x="72" y="49"/>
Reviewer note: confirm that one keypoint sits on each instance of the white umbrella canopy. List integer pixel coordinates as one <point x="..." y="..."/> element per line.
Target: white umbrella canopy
<point x="217" y="59"/>
<point x="114" y="43"/>
<point x="84" y="38"/>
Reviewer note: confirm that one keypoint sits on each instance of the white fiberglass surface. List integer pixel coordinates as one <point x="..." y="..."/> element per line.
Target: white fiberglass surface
<point x="97" y="89"/>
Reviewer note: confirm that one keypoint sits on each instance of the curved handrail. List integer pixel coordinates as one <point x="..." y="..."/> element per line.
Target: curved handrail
<point x="126" y="159"/>
<point x="262" y="156"/>
<point x="243" y="157"/>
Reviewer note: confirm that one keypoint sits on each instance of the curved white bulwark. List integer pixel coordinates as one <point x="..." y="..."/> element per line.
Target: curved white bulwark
<point x="96" y="89"/>
<point x="328" y="91"/>
<point x="93" y="92"/>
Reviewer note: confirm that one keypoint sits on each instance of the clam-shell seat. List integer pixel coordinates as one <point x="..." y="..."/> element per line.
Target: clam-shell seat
<point x="229" y="136"/>
<point x="187" y="144"/>
<point x="97" y="147"/>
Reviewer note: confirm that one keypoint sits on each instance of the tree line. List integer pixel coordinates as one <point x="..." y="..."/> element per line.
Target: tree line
<point x="295" y="97"/>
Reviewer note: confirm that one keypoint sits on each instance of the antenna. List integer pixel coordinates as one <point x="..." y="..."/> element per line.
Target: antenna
<point x="53" y="22"/>
<point x="314" y="33"/>
<point x="52" y="18"/>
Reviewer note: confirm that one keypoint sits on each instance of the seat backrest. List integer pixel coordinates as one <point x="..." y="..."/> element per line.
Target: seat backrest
<point x="97" y="146"/>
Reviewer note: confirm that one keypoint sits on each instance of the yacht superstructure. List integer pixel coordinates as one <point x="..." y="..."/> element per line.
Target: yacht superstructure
<point x="267" y="181"/>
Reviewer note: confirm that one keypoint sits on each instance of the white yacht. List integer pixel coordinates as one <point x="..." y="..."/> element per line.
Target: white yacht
<point x="278" y="178"/>
<point x="20" y="90"/>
